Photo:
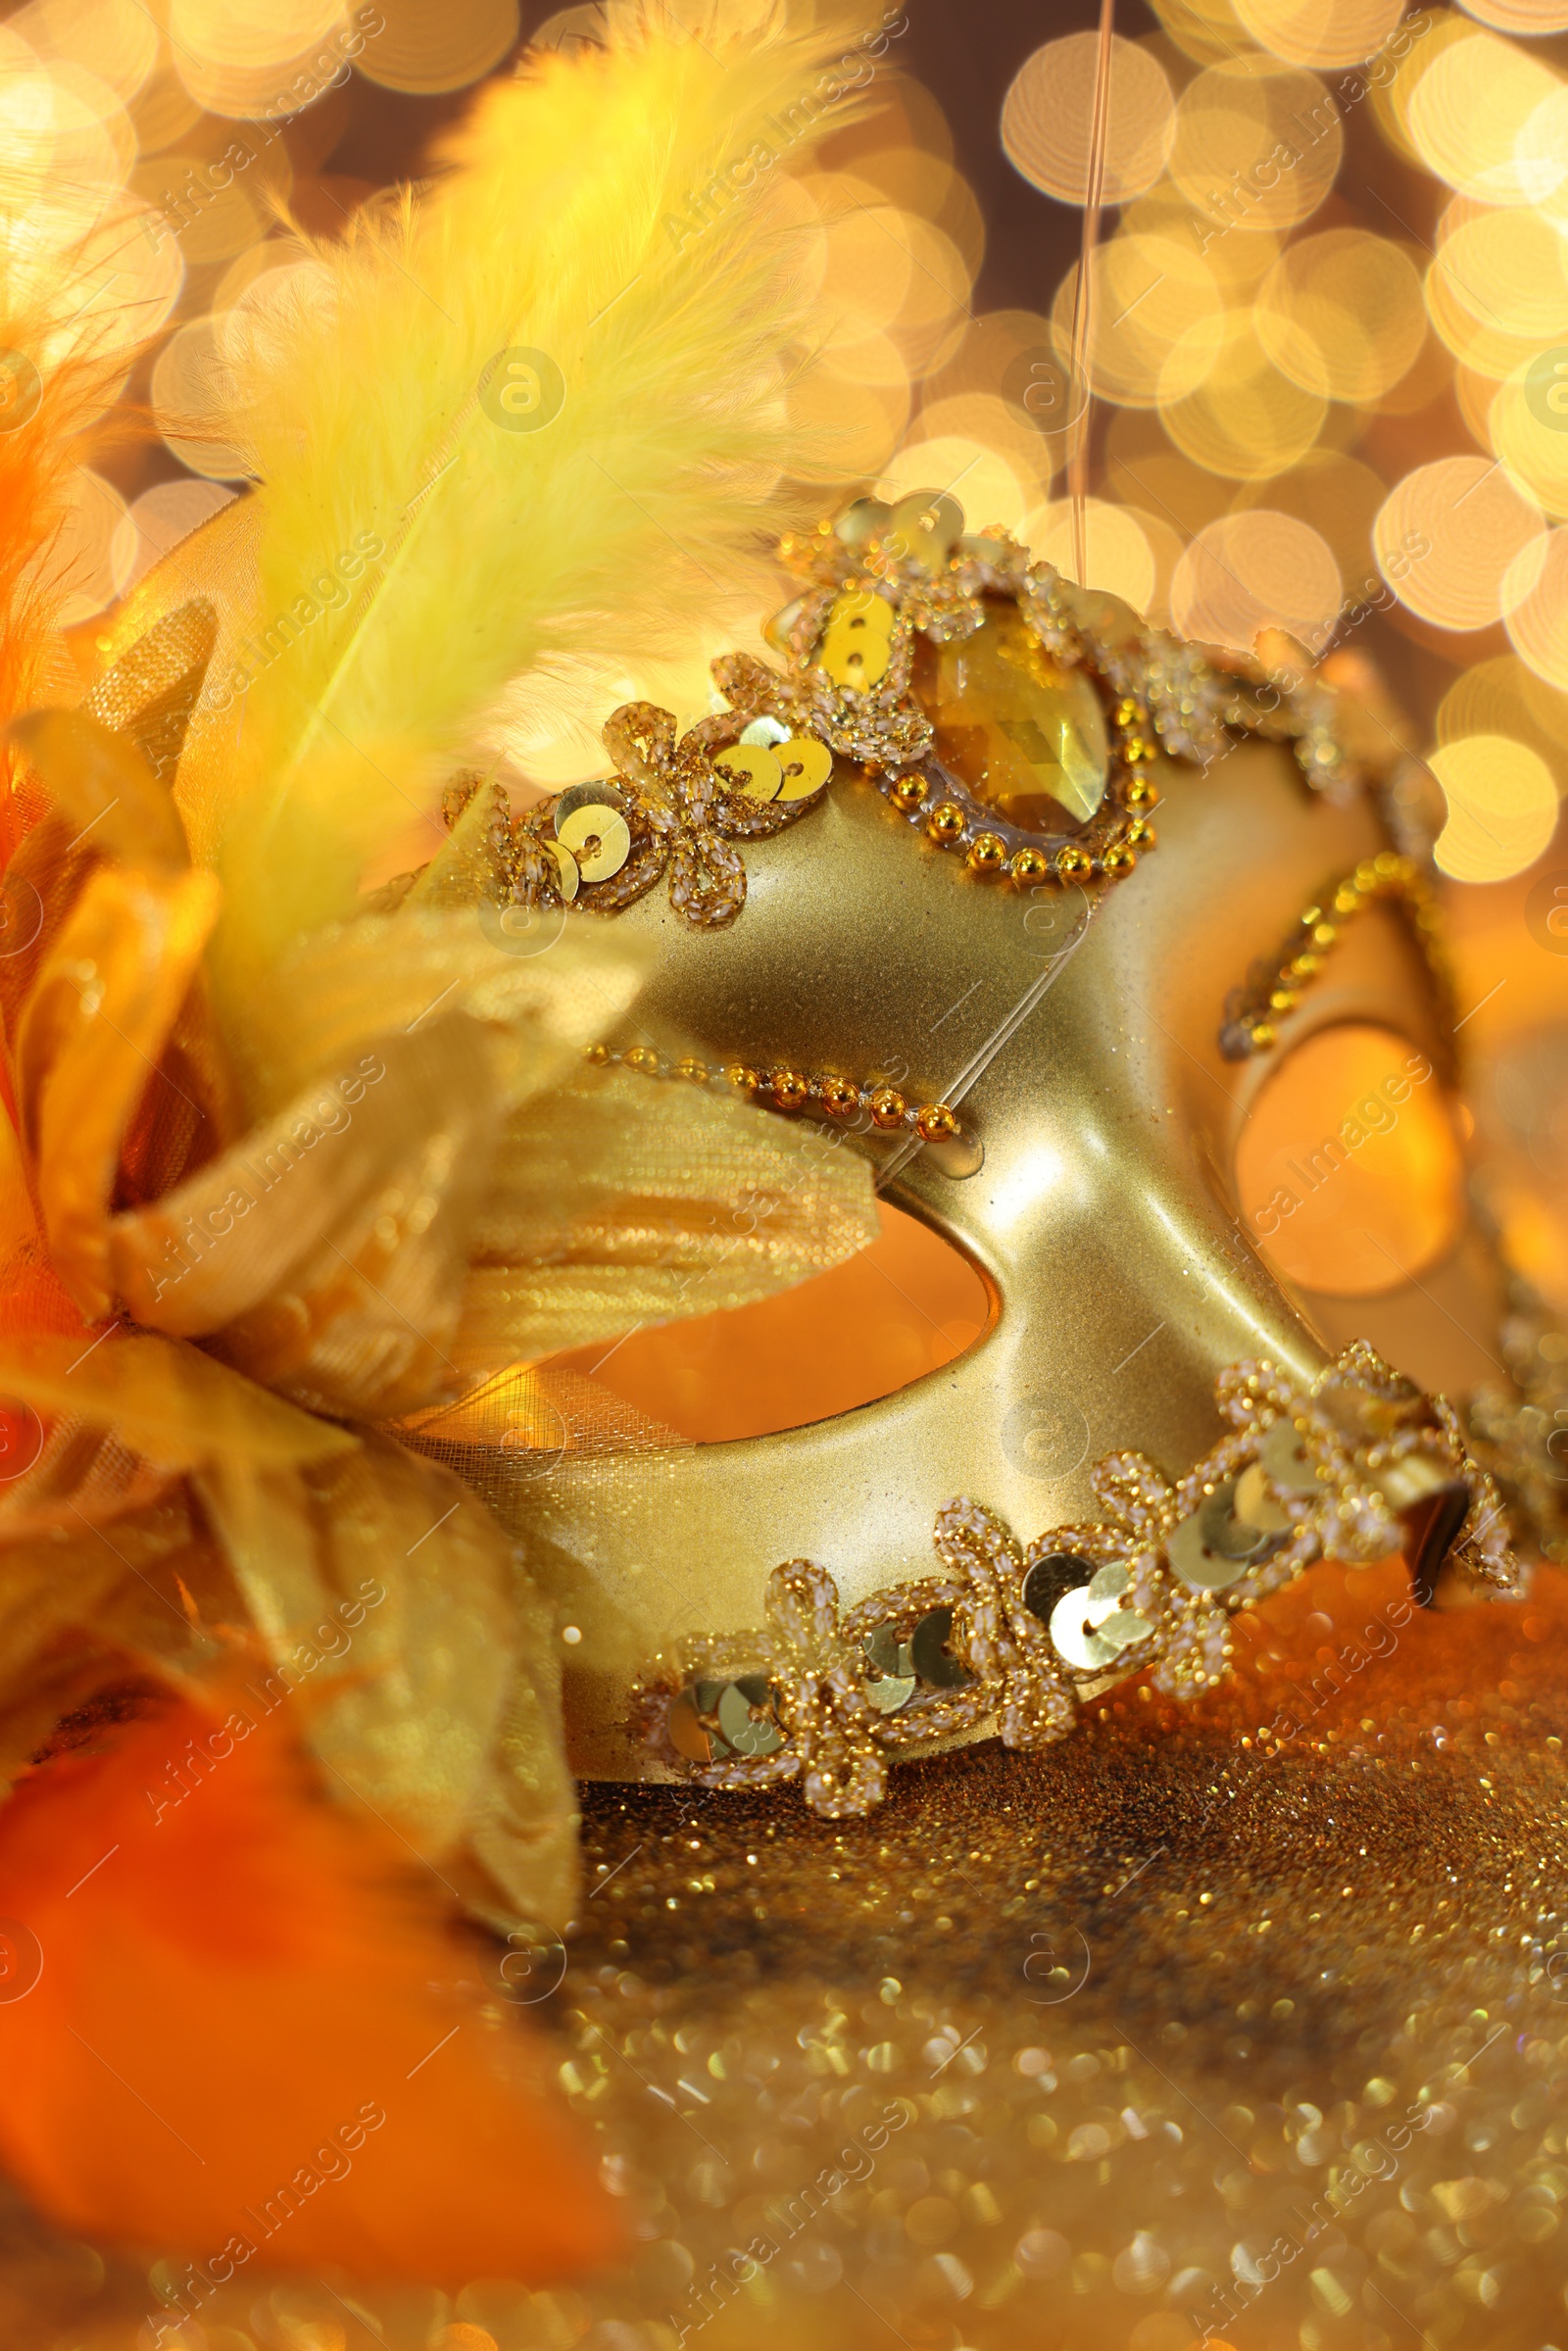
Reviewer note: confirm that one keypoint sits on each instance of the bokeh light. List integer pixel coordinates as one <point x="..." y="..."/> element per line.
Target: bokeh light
<point x="1467" y="116"/>
<point x="1502" y="695"/>
<point x="1538" y="623"/>
<point x="444" y="47"/>
<point x="116" y="39"/>
<point x="158" y="521"/>
<point x="1449" y="537"/>
<point x="1524" y="422"/>
<point x="1502" y="807"/>
<point x="1048" y="113"/>
<point x="1340" y="497"/>
<point x="985" y="485"/>
<point x="1202" y="29"/>
<point x="1257" y="144"/>
<point x="1229" y="408"/>
<point x="1145" y="291"/>
<point x="247" y="58"/>
<point x="1504" y="272"/>
<point x="1121" y="550"/>
<point x="1319" y="32"/>
<point x="1341" y="312"/>
<point x="79" y="561"/>
<point x="1520" y="16"/>
<point x="1254" y="570"/>
<point x="62" y="129"/>
<point x="191" y="393"/>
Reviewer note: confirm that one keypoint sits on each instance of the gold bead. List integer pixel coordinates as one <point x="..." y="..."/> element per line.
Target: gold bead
<point x="841" y="1097"/>
<point x="1141" y="792"/>
<point x="644" y="1060"/>
<point x="946" y="823"/>
<point x="1074" y="864"/>
<point x="599" y="1054"/>
<point x="988" y="854"/>
<point x="1314" y="916"/>
<point x="1281" y="1000"/>
<point x="888" y="1106"/>
<point x="1140" y="834"/>
<point x="1263" y="1035"/>
<point x="1119" y="859"/>
<point x="1030" y="865"/>
<point x="935" y="1122"/>
<point x="1127" y="713"/>
<point x="688" y="1066"/>
<point x="790" y="1089"/>
<point x="1324" y="934"/>
<point x="907" y="790"/>
<point x="744" y="1080"/>
<point x="1136" y="749"/>
<point x="1301" y="967"/>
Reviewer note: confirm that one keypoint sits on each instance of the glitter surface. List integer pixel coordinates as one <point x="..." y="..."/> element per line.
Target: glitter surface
<point x="1251" y="2017"/>
<point x="1171" y="2027"/>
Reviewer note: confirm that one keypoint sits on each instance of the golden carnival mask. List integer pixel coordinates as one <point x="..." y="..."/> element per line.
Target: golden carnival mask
<point x="925" y="846"/>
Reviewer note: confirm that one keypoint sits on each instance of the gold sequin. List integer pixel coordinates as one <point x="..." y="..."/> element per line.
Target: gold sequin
<point x="857" y="646"/>
<point x="1090" y="1628"/>
<point x="752" y="768"/>
<point x="568" y="873"/>
<point x="806" y="765"/>
<point x="598" y="836"/>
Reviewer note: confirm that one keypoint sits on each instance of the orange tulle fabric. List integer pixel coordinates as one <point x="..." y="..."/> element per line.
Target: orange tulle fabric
<point x="229" y="2023"/>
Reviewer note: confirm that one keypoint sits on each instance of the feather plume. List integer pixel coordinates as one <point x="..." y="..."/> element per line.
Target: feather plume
<point x="44" y="408"/>
<point x="237" y="2040"/>
<point x="593" y="212"/>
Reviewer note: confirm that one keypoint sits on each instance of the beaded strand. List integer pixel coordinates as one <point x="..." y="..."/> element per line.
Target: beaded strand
<point x="790" y="1090"/>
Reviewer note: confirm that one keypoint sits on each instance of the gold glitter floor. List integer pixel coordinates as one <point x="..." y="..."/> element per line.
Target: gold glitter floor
<point x="1169" y="2028"/>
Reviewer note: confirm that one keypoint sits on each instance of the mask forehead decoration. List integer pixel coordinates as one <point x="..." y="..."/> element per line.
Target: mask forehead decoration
<point x="1006" y="713"/>
<point x="1017" y="723"/>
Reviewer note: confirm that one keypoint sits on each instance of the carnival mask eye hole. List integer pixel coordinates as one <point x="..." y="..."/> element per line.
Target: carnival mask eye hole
<point x="905" y="1307"/>
<point x="1349" y="1171"/>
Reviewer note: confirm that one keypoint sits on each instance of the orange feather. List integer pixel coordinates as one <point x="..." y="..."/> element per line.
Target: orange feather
<point x="37" y="460"/>
<point x="228" y="2022"/>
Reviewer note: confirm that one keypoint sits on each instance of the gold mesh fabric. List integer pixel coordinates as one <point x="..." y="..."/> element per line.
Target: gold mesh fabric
<point x="151" y="691"/>
<point x="325" y="1254"/>
<point x="443" y="1717"/>
<point x="353" y="982"/>
<point x="617" y="1203"/>
<point x="215" y="566"/>
<point x="384" y="1598"/>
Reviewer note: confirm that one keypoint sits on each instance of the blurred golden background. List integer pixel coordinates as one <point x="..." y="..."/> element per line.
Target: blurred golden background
<point x="1324" y="344"/>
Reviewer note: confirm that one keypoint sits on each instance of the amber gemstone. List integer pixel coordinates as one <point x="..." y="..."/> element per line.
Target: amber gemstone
<point x="1026" y="736"/>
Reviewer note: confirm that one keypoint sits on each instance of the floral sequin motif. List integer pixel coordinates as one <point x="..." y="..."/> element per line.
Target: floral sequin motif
<point x="935" y="579"/>
<point x="1016" y="1641"/>
<point x="683" y="817"/>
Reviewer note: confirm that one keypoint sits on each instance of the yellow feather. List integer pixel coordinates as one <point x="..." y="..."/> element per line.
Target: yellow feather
<point x="569" y="221"/>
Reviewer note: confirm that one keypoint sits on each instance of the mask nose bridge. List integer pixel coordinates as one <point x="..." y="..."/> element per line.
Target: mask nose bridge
<point x="1105" y="1215"/>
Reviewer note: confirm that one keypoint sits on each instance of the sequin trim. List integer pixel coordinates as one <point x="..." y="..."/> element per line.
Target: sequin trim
<point x="815" y="1708"/>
